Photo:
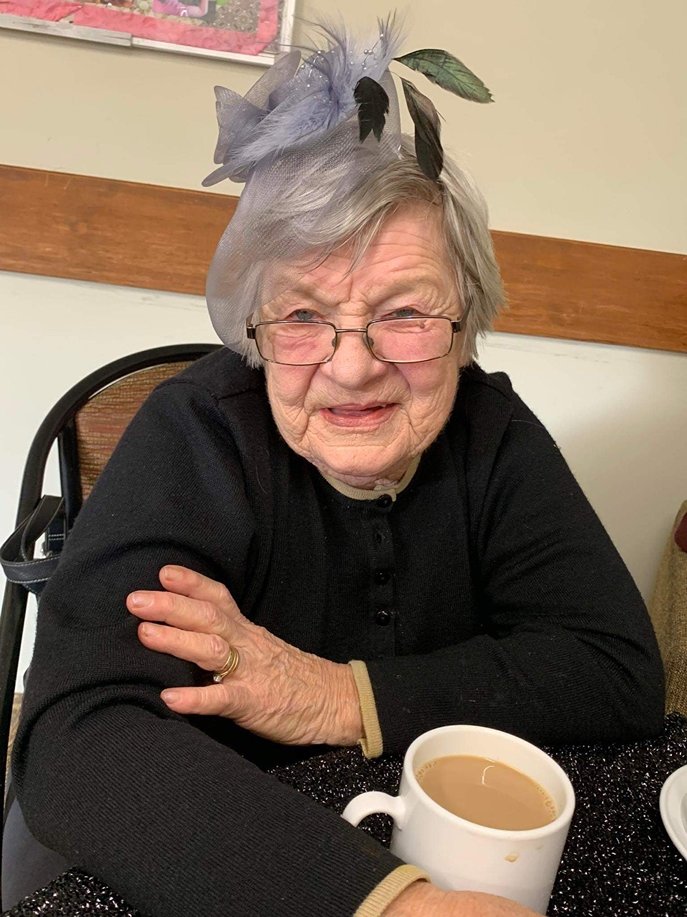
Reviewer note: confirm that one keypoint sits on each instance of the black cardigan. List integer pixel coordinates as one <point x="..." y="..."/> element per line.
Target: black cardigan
<point x="487" y="593"/>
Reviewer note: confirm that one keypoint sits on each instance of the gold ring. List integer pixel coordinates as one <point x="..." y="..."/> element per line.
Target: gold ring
<point x="229" y="667"/>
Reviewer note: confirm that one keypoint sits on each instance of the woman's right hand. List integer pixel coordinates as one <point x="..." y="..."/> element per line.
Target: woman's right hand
<point x="422" y="899"/>
<point x="278" y="691"/>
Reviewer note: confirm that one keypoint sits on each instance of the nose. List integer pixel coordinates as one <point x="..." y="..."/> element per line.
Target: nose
<point x="353" y="366"/>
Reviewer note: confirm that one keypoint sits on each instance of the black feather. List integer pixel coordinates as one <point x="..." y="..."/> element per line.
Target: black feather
<point x="373" y="105"/>
<point x="428" y="148"/>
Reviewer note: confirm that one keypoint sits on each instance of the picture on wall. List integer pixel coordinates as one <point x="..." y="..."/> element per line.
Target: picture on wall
<point x="247" y="30"/>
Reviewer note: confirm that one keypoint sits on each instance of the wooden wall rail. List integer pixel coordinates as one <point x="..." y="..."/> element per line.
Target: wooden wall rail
<point x="159" y="238"/>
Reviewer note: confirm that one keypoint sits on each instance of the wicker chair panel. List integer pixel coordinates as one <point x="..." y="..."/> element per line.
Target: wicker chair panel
<point x="14" y="723"/>
<point x="668" y="611"/>
<point x="101" y="422"/>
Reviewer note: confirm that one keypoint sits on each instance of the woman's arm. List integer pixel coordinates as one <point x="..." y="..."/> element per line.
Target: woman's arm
<point x="567" y="653"/>
<point x="106" y="773"/>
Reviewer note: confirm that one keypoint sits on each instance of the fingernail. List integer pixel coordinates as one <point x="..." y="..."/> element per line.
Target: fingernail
<point x="170" y="697"/>
<point x="140" y="599"/>
<point x="171" y="573"/>
<point x="148" y="630"/>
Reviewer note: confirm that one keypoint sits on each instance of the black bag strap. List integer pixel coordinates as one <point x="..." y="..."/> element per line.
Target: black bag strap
<point x="15" y="554"/>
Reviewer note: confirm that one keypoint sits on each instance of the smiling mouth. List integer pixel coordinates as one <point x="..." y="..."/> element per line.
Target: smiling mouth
<point x="358" y="415"/>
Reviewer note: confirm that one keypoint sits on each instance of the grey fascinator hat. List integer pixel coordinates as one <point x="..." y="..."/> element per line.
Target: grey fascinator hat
<point x="309" y="132"/>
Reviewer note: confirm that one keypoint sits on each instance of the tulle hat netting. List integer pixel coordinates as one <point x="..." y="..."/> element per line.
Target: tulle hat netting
<point x="294" y="140"/>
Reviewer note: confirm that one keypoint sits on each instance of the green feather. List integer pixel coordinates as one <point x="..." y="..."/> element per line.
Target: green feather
<point x="448" y="72"/>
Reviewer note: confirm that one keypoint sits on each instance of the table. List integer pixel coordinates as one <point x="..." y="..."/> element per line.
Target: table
<point x="618" y="861"/>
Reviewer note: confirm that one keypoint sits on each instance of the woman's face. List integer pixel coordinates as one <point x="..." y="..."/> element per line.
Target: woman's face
<point x="357" y="419"/>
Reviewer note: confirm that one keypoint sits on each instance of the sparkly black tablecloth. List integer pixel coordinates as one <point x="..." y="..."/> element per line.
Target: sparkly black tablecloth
<point x="618" y="861"/>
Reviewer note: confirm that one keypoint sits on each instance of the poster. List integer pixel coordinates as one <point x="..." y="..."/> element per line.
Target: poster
<point x="246" y="30"/>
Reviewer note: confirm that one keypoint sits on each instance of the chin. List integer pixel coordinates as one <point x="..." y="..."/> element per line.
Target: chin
<point x="364" y="473"/>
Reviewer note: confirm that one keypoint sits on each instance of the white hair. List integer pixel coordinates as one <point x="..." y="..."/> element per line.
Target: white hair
<point x="356" y="218"/>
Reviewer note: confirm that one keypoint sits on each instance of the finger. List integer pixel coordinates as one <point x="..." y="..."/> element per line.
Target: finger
<point x="208" y="651"/>
<point x="178" y="611"/>
<point x="196" y="586"/>
<point x="207" y="700"/>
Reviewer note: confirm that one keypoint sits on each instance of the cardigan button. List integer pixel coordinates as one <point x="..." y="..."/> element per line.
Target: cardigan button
<point x="385" y="501"/>
<point x="383" y="617"/>
<point x="382" y="577"/>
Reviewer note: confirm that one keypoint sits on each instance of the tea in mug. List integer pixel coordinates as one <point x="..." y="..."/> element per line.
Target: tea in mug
<point x="487" y="792"/>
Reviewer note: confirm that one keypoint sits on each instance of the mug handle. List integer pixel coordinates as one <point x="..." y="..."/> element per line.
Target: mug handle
<point x="370" y="803"/>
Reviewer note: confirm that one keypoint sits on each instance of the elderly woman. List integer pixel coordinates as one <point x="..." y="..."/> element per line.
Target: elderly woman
<point x="351" y="536"/>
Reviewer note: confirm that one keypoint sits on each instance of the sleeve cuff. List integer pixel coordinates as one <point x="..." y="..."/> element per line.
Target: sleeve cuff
<point x="389" y="889"/>
<point x="371" y="742"/>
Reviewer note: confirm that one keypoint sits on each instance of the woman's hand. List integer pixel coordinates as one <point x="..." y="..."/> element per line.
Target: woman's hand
<point x="422" y="899"/>
<point x="277" y="691"/>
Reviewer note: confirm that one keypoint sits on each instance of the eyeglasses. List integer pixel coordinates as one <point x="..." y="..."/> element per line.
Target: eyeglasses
<point x="416" y="339"/>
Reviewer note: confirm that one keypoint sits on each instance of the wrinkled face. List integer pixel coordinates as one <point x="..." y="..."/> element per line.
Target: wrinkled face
<point x="357" y="419"/>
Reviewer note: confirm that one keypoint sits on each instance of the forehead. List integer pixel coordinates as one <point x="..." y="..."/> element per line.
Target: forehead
<point x="407" y="252"/>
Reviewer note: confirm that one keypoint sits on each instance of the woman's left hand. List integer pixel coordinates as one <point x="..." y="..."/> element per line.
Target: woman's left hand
<point x="277" y="691"/>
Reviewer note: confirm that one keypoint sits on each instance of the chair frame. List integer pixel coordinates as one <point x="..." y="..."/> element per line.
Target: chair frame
<point x="59" y="426"/>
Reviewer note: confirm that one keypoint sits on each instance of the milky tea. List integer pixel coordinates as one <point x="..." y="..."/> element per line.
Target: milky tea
<point x="487" y="792"/>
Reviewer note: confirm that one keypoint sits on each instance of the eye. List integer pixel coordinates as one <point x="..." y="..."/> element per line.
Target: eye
<point x="303" y="315"/>
<point x="404" y="312"/>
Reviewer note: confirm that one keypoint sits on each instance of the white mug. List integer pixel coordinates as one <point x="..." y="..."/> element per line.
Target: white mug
<point x="459" y="854"/>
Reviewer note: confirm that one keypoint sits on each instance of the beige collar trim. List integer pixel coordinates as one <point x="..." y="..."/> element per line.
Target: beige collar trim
<point x="357" y="493"/>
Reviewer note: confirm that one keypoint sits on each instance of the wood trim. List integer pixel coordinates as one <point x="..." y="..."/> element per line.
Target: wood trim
<point x="108" y="231"/>
<point x="584" y="291"/>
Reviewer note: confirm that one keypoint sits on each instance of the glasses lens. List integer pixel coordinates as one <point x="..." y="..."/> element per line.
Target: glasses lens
<point x="410" y="340"/>
<point x="295" y="343"/>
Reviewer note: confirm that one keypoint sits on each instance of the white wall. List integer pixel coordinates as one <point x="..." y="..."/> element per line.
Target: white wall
<point x="587" y="140"/>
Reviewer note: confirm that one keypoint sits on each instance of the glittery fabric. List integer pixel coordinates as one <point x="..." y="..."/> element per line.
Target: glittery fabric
<point x="618" y="861"/>
<point x="73" y="893"/>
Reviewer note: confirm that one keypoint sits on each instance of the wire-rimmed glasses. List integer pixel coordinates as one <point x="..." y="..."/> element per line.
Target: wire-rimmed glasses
<point x="415" y="339"/>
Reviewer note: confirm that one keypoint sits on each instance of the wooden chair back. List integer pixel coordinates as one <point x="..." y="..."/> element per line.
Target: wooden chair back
<point x="102" y="420"/>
